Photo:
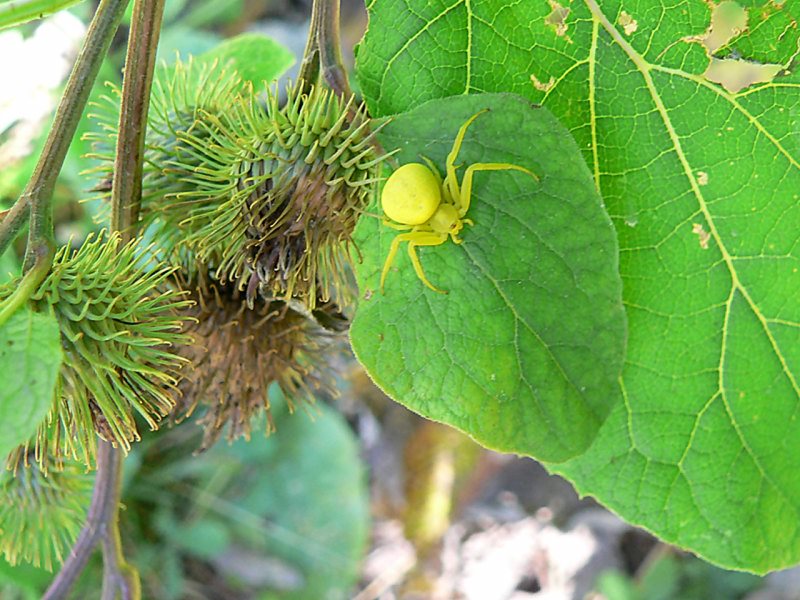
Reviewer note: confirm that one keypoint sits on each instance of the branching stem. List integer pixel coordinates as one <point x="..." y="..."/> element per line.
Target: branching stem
<point x="323" y="53"/>
<point x="39" y="191"/>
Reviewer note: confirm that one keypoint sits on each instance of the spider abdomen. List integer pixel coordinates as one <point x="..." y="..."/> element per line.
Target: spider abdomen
<point x="411" y="195"/>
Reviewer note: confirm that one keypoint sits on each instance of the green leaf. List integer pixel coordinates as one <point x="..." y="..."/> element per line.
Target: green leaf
<point x="181" y="40"/>
<point x="701" y="184"/>
<point x="9" y="266"/>
<point x="524" y="351"/>
<point x="256" y="57"/>
<point x="614" y="585"/>
<point x="205" y="538"/>
<point x="16" y="12"/>
<point x="22" y="582"/>
<point x="30" y="358"/>
<point x="416" y="51"/>
<point x="213" y="14"/>
<point x="307" y="490"/>
<point x="294" y="506"/>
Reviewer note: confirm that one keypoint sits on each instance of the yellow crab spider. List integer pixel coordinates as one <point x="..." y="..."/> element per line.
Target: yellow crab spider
<point x="415" y="199"/>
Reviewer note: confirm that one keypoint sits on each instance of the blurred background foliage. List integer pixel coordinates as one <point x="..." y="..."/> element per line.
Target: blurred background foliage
<point x="295" y="515"/>
<point x="279" y="517"/>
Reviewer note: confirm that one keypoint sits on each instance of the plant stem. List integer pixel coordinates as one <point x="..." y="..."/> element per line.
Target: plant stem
<point x="126" y="190"/>
<point x="323" y="53"/>
<point x="126" y="197"/>
<point x="102" y="515"/>
<point x="102" y="524"/>
<point x="309" y="67"/>
<point x="39" y="191"/>
<point x="30" y="282"/>
<point x="330" y="46"/>
<point x="13" y="220"/>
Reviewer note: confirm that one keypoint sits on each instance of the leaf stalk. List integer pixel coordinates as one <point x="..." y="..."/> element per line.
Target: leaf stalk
<point x="30" y="282"/>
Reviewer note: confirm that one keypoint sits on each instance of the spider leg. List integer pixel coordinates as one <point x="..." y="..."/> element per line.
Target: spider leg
<point x="397" y="226"/>
<point x="451" y="182"/>
<point x="414" y="239"/>
<point x="432" y="166"/>
<point x="390" y="257"/>
<point x="423" y="239"/>
<point x="447" y="197"/>
<point x="466" y="184"/>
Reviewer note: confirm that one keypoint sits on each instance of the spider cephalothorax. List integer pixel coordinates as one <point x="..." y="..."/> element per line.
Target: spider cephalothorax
<point x="415" y="199"/>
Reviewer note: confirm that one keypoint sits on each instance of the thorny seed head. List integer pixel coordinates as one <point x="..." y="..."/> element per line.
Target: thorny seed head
<point x="181" y="94"/>
<point x="42" y="514"/>
<point x="120" y="328"/>
<point x="266" y="193"/>
<point x="239" y="352"/>
<point x="304" y="191"/>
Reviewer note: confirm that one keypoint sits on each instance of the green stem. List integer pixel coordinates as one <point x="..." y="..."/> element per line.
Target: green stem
<point x="12" y="223"/>
<point x="100" y="517"/>
<point x="309" y="66"/>
<point x="29" y="284"/>
<point x="323" y="53"/>
<point x="126" y="195"/>
<point x="126" y="189"/>
<point x="16" y="12"/>
<point x="330" y="48"/>
<point x="39" y="191"/>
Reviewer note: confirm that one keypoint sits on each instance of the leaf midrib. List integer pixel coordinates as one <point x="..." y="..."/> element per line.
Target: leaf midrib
<point x="644" y="68"/>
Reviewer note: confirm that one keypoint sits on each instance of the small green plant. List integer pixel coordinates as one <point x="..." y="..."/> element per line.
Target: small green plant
<point x="624" y="305"/>
<point x="672" y="577"/>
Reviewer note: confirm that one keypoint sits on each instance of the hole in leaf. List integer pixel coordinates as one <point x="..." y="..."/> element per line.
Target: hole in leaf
<point x="557" y="19"/>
